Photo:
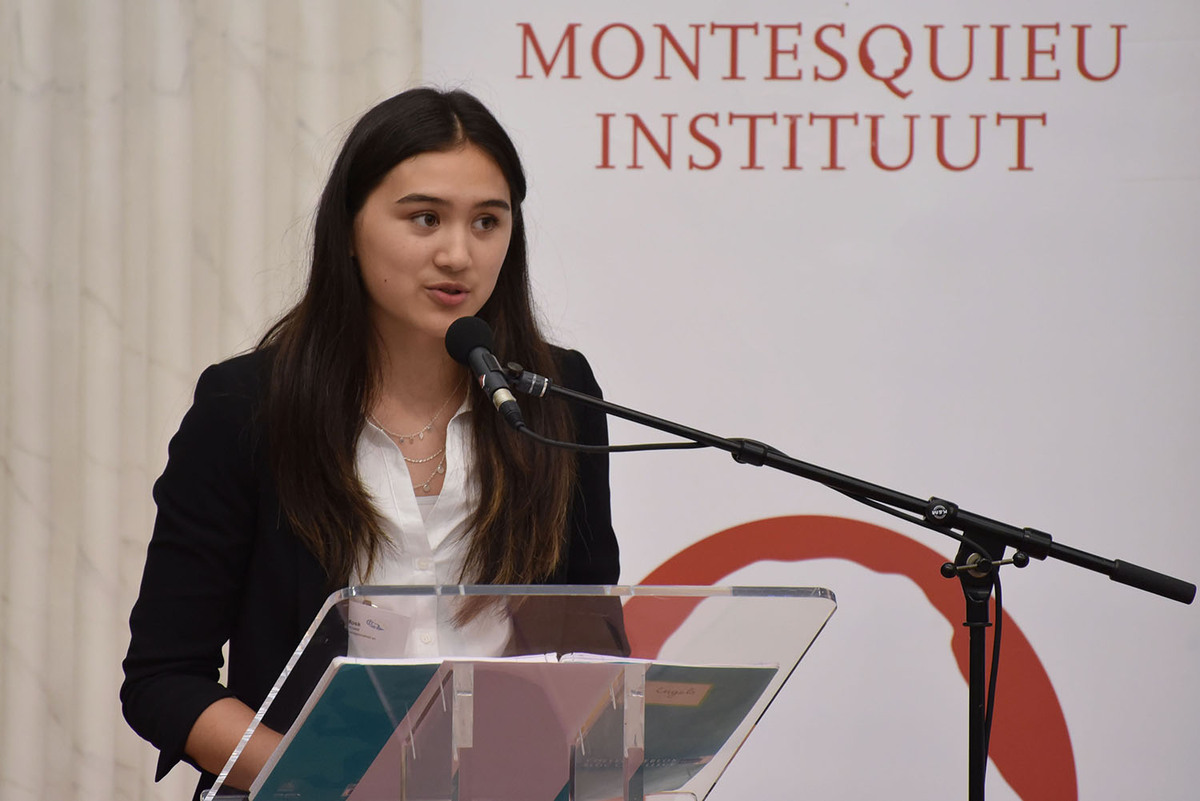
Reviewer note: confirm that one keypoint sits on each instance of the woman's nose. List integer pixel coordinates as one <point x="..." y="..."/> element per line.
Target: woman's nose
<point x="454" y="252"/>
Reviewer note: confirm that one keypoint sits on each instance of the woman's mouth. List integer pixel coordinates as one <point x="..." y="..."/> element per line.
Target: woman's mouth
<point x="448" y="294"/>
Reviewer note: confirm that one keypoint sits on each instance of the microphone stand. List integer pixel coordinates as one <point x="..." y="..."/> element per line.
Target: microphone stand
<point x="981" y="553"/>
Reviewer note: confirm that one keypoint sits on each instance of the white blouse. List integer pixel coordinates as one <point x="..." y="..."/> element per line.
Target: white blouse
<point x="429" y="548"/>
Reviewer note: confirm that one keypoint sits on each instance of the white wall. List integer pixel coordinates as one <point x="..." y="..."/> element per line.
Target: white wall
<point x="1021" y="341"/>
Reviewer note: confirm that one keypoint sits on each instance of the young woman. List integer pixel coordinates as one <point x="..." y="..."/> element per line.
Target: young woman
<point x="348" y="446"/>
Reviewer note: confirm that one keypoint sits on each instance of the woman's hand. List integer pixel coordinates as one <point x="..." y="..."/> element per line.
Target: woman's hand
<point x="217" y="732"/>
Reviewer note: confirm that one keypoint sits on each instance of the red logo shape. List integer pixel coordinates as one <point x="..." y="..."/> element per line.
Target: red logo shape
<point x="1030" y="745"/>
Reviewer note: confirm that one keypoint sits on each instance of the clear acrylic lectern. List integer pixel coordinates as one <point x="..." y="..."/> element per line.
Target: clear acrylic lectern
<point x="528" y="693"/>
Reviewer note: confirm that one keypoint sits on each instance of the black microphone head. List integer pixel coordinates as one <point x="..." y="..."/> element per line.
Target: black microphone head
<point x="465" y="335"/>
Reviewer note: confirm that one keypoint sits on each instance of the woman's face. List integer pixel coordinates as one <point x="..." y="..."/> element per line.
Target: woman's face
<point x="430" y="240"/>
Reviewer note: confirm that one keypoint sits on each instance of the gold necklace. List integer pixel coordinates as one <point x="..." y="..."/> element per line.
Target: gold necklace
<point x="425" y="486"/>
<point x="417" y="435"/>
<point x="437" y="471"/>
<point x="428" y="458"/>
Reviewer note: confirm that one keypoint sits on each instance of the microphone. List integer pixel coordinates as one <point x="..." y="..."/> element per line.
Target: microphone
<point x="469" y="342"/>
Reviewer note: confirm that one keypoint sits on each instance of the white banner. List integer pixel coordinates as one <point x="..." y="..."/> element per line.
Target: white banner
<point x="948" y="248"/>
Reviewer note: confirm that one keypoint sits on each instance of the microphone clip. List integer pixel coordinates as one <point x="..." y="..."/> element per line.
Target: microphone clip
<point x="527" y="382"/>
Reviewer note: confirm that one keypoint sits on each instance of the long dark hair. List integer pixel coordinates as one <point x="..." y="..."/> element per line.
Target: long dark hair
<point x="323" y="360"/>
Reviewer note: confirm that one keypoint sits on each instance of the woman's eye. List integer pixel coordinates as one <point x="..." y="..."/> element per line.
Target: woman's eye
<point x="486" y="223"/>
<point x="426" y="219"/>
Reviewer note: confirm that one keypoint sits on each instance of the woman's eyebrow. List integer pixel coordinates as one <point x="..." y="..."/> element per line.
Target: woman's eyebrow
<point x="417" y="197"/>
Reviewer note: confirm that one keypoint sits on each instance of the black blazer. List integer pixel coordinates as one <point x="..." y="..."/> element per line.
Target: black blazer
<point x="223" y="565"/>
